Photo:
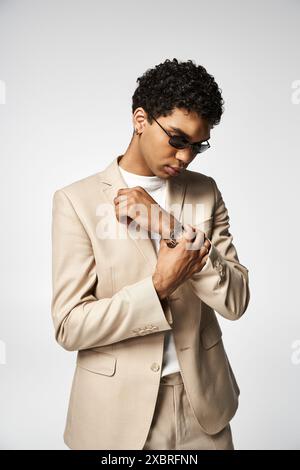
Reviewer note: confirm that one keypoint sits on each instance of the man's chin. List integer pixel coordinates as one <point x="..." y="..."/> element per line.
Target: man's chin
<point x="162" y="174"/>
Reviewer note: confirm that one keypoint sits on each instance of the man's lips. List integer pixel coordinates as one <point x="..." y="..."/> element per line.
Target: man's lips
<point x="171" y="170"/>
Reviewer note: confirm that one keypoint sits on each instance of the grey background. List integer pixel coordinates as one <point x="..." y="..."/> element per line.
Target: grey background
<point x="70" y="69"/>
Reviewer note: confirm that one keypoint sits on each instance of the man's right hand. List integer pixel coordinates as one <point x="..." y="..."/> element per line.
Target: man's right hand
<point x="176" y="265"/>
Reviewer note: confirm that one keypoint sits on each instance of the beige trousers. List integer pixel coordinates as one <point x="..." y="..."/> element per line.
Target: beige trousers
<point x="174" y="425"/>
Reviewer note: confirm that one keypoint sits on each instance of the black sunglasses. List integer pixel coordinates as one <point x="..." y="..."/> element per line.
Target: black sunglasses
<point x="180" y="142"/>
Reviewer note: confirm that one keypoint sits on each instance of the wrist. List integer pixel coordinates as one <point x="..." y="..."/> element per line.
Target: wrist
<point x="158" y="286"/>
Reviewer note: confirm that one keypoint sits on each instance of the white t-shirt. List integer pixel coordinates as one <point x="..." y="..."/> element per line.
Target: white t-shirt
<point x="156" y="187"/>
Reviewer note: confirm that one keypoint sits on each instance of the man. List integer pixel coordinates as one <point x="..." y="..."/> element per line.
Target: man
<point x="142" y="260"/>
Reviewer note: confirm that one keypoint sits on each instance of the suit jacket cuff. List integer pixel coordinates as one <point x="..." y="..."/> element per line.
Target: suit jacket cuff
<point x="147" y="306"/>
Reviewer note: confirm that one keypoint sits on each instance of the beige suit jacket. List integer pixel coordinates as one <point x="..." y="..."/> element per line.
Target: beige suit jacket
<point x="105" y="307"/>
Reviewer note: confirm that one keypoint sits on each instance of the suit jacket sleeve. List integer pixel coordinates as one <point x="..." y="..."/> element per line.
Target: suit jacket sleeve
<point x="82" y="321"/>
<point x="223" y="282"/>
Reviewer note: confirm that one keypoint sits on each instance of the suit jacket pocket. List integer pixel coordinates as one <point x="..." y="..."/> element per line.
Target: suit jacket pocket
<point x="97" y="362"/>
<point x="211" y="335"/>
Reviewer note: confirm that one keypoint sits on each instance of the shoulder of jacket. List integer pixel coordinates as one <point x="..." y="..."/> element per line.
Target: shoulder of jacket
<point x="195" y="177"/>
<point x="80" y="186"/>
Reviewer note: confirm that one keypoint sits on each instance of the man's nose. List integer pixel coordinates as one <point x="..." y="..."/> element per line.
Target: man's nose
<point x="185" y="156"/>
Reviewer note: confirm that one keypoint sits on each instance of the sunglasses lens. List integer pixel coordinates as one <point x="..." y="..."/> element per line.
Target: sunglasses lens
<point x="181" y="143"/>
<point x="202" y="147"/>
<point x="178" y="142"/>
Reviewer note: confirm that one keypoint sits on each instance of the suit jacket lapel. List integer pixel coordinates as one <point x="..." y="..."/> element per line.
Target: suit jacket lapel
<point x="175" y="193"/>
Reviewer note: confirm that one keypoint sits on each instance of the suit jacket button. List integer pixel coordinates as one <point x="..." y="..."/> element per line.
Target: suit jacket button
<point x="155" y="367"/>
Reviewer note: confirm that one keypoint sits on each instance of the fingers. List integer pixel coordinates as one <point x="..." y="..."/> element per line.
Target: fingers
<point x="203" y="261"/>
<point x="189" y="232"/>
<point x="121" y="206"/>
<point x="198" y="241"/>
<point x="121" y="198"/>
<point x="196" y="237"/>
<point x="122" y="212"/>
<point x="207" y="243"/>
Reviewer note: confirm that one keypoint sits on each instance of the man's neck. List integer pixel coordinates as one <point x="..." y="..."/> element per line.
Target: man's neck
<point x="132" y="163"/>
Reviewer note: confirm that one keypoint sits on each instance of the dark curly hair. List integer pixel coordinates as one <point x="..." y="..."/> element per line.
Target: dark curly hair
<point x="174" y="84"/>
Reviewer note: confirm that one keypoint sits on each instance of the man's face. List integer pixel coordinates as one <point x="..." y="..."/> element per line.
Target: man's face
<point x="154" y="145"/>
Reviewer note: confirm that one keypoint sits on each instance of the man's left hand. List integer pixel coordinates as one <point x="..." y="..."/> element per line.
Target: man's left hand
<point x="136" y="204"/>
